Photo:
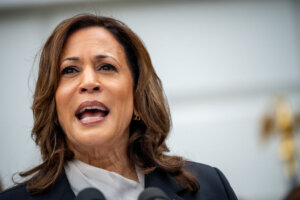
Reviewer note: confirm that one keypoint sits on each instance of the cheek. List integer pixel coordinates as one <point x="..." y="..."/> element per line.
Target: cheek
<point x="59" y="100"/>
<point x="62" y="100"/>
<point x="122" y="91"/>
<point x="64" y="93"/>
<point x="122" y="96"/>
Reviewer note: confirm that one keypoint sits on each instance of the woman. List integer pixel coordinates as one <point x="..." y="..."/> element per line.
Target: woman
<point x="101" y="120"/>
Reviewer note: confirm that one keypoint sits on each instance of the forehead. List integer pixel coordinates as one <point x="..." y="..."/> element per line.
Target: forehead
<point x="92" y="39"/>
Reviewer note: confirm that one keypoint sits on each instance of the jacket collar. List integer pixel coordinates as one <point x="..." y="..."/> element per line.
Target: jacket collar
<point x="166" y="183"/>
<point x="156" y="178"/>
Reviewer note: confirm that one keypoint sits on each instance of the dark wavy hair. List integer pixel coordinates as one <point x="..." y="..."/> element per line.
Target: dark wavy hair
<point x="146" y="147"/>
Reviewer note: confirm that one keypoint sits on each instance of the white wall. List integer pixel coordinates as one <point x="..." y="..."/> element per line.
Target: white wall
<point x="220" y="62"/>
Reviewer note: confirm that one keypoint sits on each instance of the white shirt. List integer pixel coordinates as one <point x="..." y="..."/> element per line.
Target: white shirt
<point x="114" y="186"/>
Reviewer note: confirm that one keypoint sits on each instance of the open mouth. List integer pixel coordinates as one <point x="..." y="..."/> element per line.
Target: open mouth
<point x="91" y="112"/>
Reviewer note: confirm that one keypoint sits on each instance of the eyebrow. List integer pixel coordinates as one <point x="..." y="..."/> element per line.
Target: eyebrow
<point x="100" y="56"/>
<point x="70" y="58"/>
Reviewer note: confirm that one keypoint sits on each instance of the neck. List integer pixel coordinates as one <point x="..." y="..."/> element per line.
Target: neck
<point x="115" y="159"/>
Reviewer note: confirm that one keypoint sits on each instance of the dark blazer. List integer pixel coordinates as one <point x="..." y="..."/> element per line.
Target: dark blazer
<point x="213" y="186"/>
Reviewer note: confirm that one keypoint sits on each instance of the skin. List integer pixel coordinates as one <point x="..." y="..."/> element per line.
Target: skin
<point x="94" y="68"/>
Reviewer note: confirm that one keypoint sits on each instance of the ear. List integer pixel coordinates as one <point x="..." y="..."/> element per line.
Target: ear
<point x="135" y="112"/>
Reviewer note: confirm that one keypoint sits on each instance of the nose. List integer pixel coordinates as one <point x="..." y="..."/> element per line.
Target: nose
<point x="89" y="82"/>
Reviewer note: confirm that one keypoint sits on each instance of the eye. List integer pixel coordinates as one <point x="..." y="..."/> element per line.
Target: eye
<point x="69" y="70"/>
<point x="107" y="67"/>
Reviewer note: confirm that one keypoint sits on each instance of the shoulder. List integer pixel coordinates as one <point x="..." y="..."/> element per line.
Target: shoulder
<point x="202" y="171"/>
<point x="59" y="190"/>
<point x="212" y="180"/>
<point x="16" y="192"/>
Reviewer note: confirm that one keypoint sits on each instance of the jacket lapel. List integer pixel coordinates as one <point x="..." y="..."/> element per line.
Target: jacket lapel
<point x="61" y="190"/>
<point x="164" y="182"/>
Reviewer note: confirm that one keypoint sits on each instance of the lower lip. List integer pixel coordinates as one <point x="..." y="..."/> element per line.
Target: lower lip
<point x="90" y="122"/>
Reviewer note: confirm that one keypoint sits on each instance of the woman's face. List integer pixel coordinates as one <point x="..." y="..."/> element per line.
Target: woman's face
<point x="94" y="98"/>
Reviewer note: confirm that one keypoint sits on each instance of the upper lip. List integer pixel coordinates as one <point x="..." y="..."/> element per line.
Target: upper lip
<point x="91" y="105"/>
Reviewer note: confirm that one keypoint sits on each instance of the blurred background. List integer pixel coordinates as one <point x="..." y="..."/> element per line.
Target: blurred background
<point x="220" y="62"/>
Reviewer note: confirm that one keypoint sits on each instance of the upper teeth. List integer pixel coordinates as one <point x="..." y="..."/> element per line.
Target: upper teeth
<point x="92" y="108"/>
